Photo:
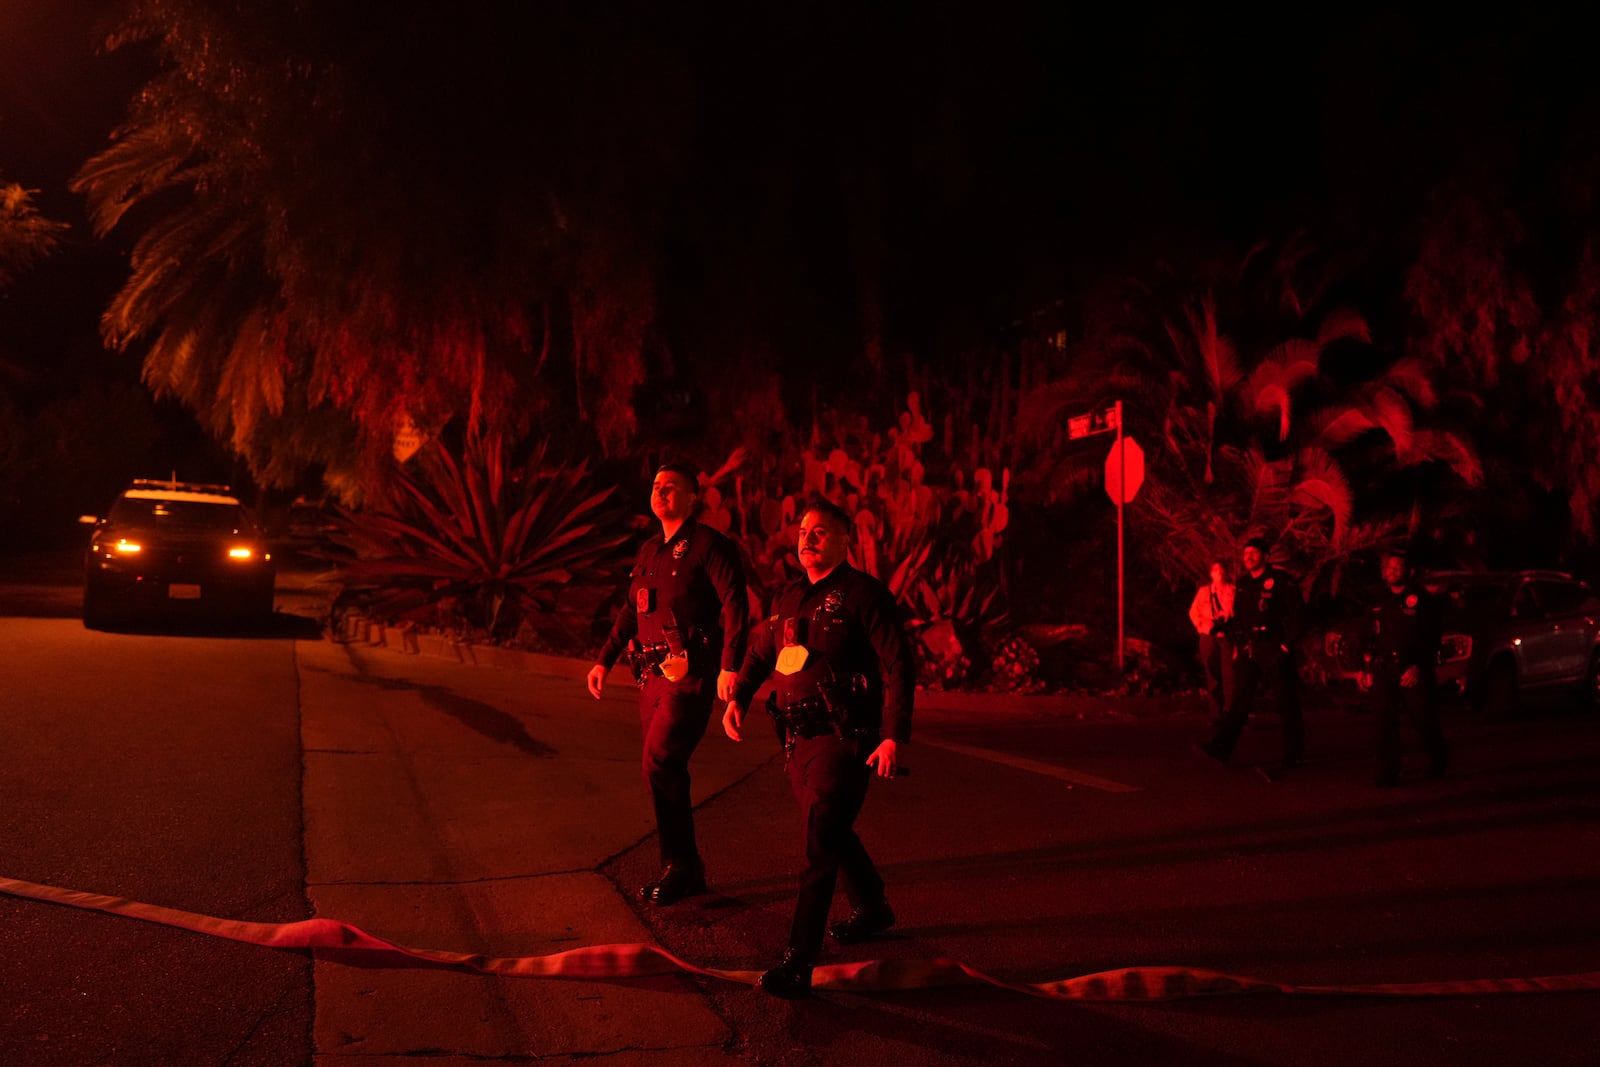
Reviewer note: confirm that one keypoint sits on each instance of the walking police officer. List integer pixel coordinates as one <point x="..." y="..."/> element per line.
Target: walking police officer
<point x="1402" y="650"/>
<point x="842" y="701"/>
<point x="683" y="628"/>
<point x="1267" y="620"/>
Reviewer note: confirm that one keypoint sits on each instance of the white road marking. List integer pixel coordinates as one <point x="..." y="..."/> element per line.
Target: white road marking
<point x="1049" y="770"/>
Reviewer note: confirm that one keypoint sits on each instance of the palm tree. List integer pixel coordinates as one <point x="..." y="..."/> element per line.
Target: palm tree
<point x="348" y="220"/>
<point x="25" y="235"/>
<point x="25" y="238"/>
<point x="1230" y="370"/>
<point x="1517" y="342"/>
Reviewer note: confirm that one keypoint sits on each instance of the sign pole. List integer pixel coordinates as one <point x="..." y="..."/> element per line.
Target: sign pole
<point x="1122" y="463"/>
<point x="1124" y="475"/>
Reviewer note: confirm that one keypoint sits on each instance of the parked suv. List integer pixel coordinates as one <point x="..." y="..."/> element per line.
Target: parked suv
<point x="175" y="549"/>
<point x="1511" y="632"/>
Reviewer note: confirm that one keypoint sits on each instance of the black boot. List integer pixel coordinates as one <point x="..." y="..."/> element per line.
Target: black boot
<point x="863" y="923"/>
<point x="791" y="978"/>
<point x="675" y="882"/>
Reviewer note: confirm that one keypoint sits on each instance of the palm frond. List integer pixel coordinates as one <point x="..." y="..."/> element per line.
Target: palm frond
<point x="1342" y="324"/>
<point x="1453" y="450"/>
<point x="1323" y="485"/>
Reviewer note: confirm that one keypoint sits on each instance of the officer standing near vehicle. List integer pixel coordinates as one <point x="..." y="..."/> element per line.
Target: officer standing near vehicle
<point x="683" y="629"/>
<point x="842" y="701"/>
<point x="1402" y="651"/>
<point x="1267" y="621"/>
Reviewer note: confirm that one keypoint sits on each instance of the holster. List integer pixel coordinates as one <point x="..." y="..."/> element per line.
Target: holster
<point x="645" y="660"/>
<point x="828" y="709"/>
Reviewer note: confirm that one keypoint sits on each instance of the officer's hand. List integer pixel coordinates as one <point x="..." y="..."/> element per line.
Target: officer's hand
<point x="1364" y="680"/>
<point x="732" y="719"/>
<point x="725" y="682"/>
<point x="885" y="758"/>
<point x="1410" y="678"/>
<point x="597" y="680"/>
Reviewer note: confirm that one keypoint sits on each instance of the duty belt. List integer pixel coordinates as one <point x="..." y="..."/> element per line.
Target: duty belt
<point x="645" y="660"/>
<point x="826" y="711"/>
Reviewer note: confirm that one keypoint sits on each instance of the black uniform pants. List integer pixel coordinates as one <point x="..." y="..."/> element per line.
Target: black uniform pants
<point x="1252" y="669"/>
<point x="1420" y="704"/>
<point x="674" y="717"/>
<point x="830" y="778"/>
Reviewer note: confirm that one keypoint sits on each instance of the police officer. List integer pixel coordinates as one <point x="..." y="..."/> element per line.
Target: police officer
<point x="683" y="627"/>
<point x="1402" y="650"/>
<point x="1267" y="620"/>
<point x="842" y="699"/>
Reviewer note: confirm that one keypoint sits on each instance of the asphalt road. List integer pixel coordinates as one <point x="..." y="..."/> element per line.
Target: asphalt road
<point x="1042" y="849"/>
<point x="162" y="768"/>
<point x="168" y="767"/>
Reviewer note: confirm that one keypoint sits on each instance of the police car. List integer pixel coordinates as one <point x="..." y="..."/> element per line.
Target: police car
<point x="171" y="549"/>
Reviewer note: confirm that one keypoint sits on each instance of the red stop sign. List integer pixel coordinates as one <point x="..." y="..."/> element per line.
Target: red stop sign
<point x="1132" y="470"/>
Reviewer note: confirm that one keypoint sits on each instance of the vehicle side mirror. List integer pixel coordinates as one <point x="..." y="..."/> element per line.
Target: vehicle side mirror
<point x="89" y="520"/>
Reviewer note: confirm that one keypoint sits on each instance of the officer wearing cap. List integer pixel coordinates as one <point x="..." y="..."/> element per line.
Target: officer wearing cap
<point x="842" y="700"/>
<point x="1267" y="621"/>
<point x="1402" y="650"/>
<point x="683" y="627"/>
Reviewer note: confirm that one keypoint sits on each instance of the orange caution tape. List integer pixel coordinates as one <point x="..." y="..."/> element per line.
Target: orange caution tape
<point x="874" y="976"/>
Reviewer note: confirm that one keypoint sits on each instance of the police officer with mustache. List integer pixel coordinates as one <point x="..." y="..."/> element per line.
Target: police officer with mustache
<point x="683" y="627"/>
<point x="842" y="700"/>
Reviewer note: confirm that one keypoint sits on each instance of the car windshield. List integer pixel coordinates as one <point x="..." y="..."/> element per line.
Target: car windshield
<point x="178" y="514"/>
<point x="1480" y="599"/>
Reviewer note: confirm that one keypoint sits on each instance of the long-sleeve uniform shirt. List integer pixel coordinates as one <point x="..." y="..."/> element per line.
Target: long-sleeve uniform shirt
<point x="696" y="579"/>
<point x="1268" y="610"/>
<point x="1403" y="630"/>
<point x="850" y="626"/>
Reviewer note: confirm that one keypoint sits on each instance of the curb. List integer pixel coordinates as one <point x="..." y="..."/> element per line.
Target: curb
<point x="406" y="640"/>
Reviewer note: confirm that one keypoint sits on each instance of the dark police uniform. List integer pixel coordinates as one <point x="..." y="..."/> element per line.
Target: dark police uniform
<point x="1266" y="626"/>
<point x="1403" y="632"/>
<point x="855" y="687"/>
<point x="693" y="582"/>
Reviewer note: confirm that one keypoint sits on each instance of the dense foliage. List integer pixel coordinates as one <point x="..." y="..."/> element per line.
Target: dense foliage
<point x="480" y="542"/>
<point x="503" y="217"/>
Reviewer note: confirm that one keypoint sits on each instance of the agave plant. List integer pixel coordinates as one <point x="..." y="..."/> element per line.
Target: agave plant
<point x="952" y="602"/>
<point x="480" y="542"/>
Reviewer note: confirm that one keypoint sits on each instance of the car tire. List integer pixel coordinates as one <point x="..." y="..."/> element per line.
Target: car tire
<point x="1499" y="693"/>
